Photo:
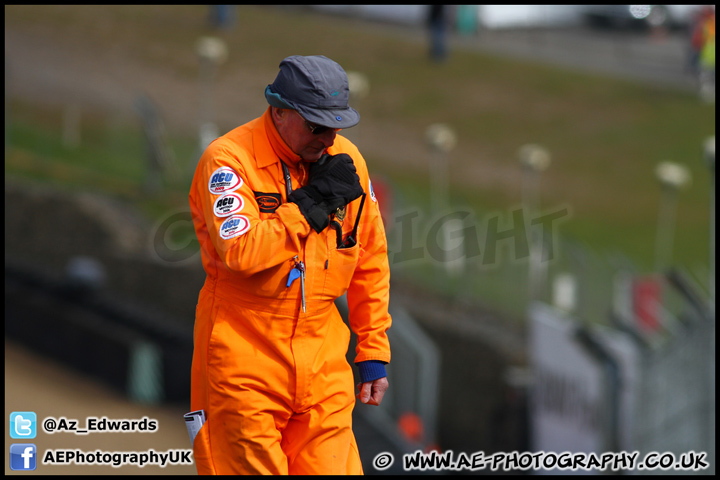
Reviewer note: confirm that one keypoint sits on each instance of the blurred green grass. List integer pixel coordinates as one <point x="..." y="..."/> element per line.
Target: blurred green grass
<point x="605" y="135"/>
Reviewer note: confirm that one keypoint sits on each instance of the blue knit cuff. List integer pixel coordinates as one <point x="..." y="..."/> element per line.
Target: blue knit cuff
<point x="371" y="370"/>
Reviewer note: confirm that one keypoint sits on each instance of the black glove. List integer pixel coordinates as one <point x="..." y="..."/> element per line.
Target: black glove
<point x="335" y="176"/>
<point x="333" y="183"/>
<point x="314" y="208"/>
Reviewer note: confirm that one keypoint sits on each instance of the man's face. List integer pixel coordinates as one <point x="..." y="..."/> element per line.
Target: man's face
<point x="298" y="135"/>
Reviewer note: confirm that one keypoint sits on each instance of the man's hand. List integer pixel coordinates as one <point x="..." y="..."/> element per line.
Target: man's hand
<point x="334" y="182"/>
<point x="335" y="176"/>
<point x="373" y="392"/>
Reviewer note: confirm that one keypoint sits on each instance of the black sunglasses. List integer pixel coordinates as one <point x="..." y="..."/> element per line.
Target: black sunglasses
<point x="317" y="129"/>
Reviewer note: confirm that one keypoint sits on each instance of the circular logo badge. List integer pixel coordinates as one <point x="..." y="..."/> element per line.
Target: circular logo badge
<point x="224" y="180"/>
<point x="228" y="204"/>
<point x="234" y="226"/>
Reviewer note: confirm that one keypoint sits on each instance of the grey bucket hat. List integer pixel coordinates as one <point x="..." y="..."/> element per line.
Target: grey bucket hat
<point x="317" y="88"/>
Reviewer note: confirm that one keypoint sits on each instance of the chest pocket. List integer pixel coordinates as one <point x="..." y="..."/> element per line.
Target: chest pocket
<point x="340" y="267"/>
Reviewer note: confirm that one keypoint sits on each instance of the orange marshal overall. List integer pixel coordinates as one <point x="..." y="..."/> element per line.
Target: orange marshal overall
<point x="273" y="379"/>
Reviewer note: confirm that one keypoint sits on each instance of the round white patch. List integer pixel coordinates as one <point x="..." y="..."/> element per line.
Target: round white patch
<point x="228" y="204"/>
<point x="234" y="226"/>
<point x="224" y="180"/>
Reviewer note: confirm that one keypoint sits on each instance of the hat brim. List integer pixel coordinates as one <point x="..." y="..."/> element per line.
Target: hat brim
<point x="333" y="118"/>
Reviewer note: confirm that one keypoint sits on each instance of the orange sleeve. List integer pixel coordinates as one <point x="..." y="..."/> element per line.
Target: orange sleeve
<point x="369" y="292"/>
<point x="242" y="240"/>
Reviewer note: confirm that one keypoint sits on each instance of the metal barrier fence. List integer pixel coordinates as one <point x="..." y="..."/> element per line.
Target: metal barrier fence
<point x="628" y="388"/>
<point x="414" y="373"/>
<point x="676" y="394"/>
<point x="673" y="371"/>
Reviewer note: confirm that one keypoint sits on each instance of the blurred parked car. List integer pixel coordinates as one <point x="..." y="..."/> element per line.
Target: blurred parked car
<point x="629" y="16"/>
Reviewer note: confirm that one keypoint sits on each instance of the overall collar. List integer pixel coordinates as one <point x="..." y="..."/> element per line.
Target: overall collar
<point x="278" y="145"/>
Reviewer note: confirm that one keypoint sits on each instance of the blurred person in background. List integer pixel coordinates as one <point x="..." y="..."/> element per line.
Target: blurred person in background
<point x="702" y="57"/>
<point x="437" y="25"/>
<point x="288" y="222"/>
<point x="222" y="16"/>
<point x="707" y="51"/>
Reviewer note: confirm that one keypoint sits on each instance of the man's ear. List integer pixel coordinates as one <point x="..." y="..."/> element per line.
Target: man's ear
<point x="279" y="114"/>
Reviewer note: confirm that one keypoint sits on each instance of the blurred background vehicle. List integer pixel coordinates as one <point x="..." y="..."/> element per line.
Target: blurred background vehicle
<point x="627" y="16"/>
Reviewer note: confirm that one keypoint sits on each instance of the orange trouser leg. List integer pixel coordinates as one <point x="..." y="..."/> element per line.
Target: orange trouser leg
<point x="248" y="440"/>
<point x="242" y="441"/>
<point x="321" y="442"/>
<point x="319" y="438"/>
<point x="245" y="383"/>
<point x="277" y="403"/>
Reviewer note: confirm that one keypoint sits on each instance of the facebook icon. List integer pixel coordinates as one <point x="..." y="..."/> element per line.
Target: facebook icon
<point x="23" y="456"/>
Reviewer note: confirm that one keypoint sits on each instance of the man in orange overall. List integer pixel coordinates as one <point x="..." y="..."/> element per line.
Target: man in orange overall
<point x="287" y="221"/>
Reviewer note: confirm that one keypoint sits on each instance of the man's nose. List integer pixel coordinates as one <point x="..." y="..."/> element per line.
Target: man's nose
<point x="328" y="138"/>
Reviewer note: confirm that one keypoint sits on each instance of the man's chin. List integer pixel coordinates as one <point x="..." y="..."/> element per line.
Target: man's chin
<point x="312" y="158"/>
